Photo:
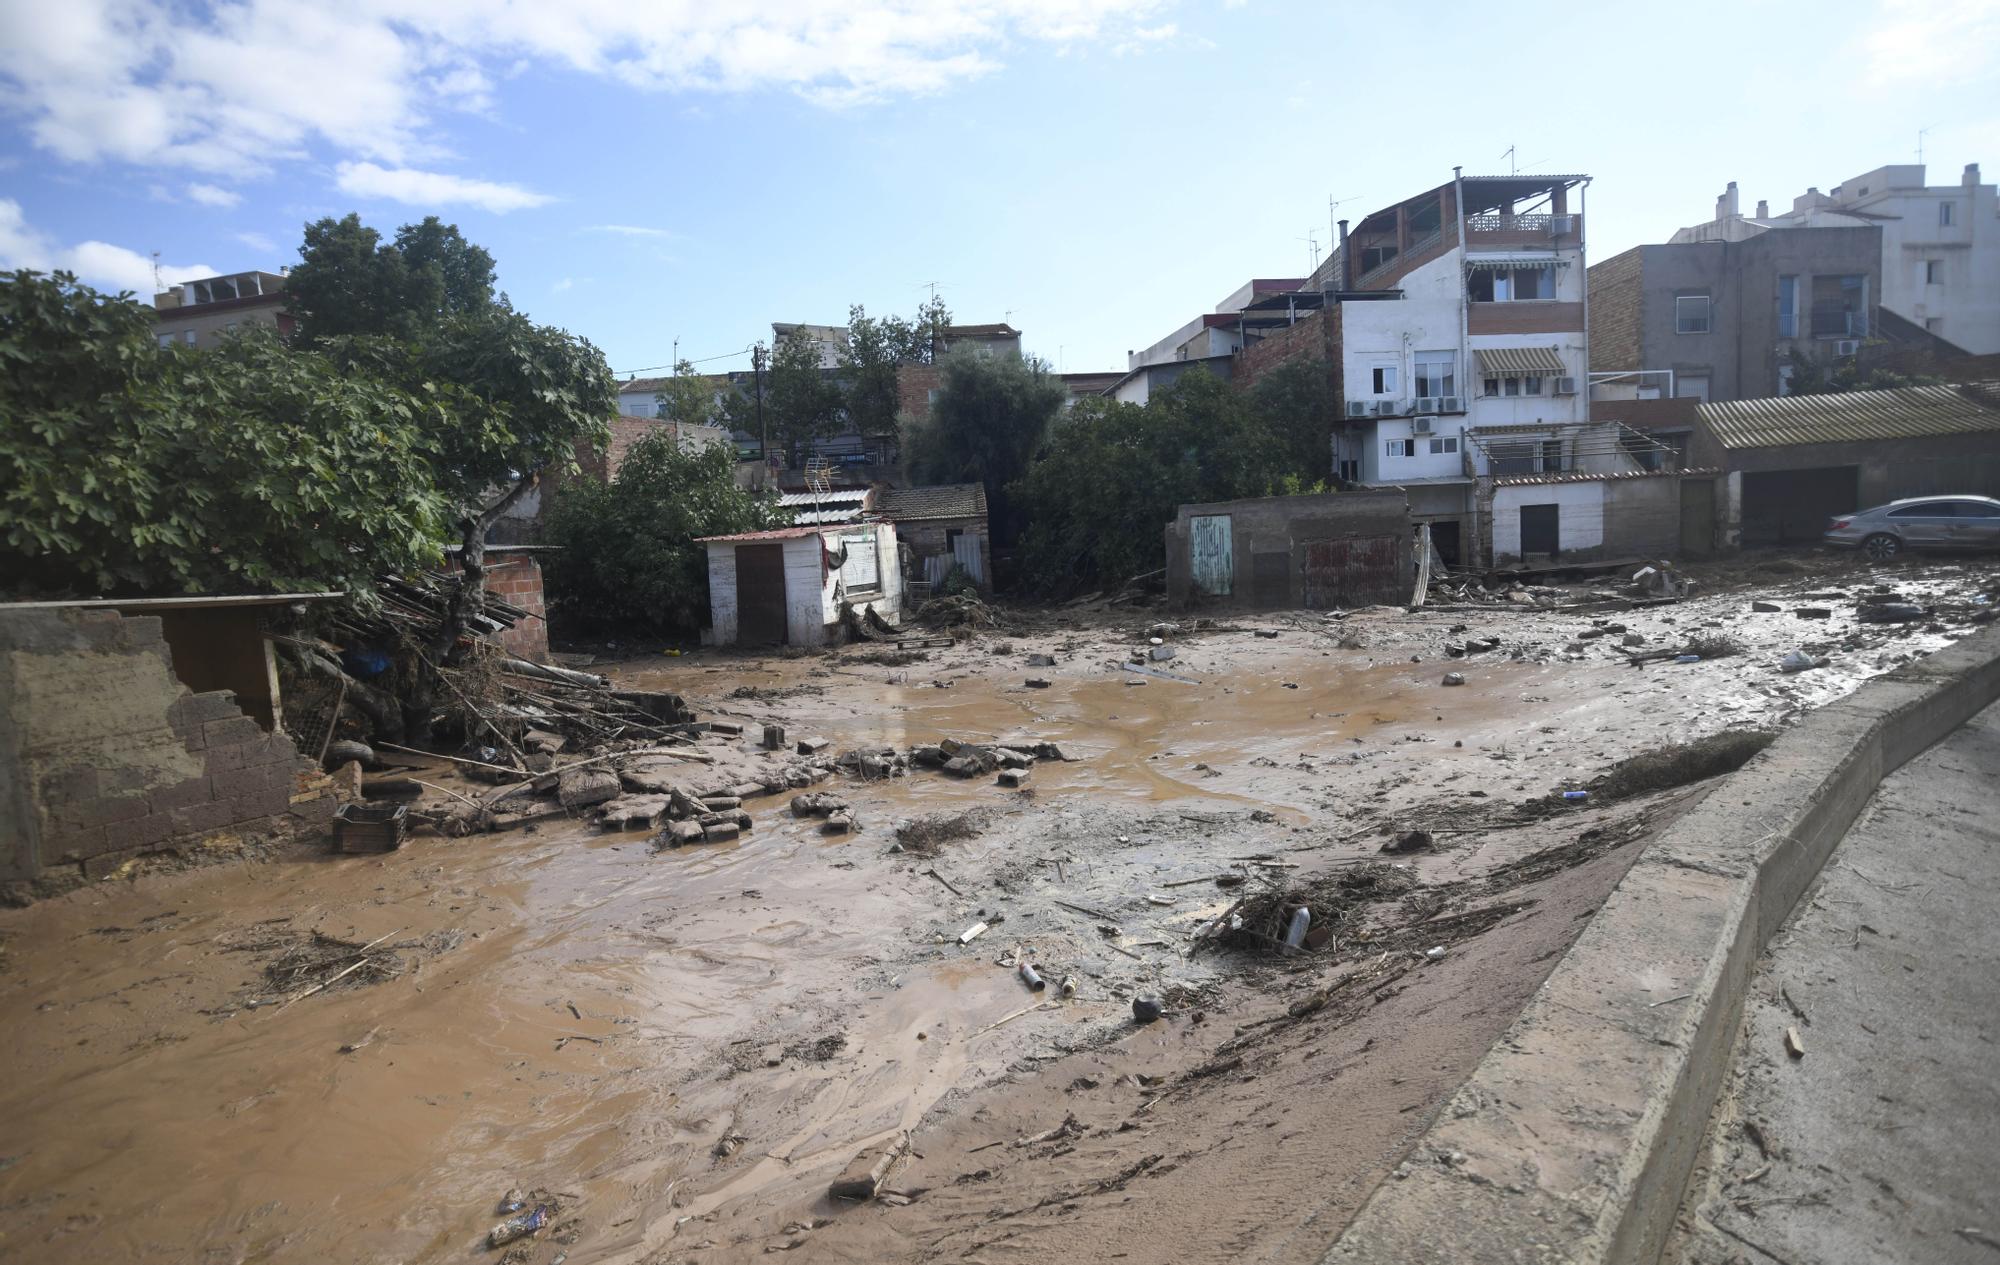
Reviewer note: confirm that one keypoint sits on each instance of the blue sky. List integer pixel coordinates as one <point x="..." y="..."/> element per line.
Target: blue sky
<point x="1095" y="172"/>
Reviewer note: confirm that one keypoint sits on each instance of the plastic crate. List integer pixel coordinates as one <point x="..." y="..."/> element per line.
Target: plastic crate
<point x="369" y="827"/>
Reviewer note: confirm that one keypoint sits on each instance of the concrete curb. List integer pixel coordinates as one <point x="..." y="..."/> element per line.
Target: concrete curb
<point x="1575" y="1135"/>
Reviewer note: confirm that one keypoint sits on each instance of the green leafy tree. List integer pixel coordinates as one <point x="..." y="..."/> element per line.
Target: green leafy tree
<point x="990" y="418"/>
<point x="126" y="468"/>
<point x="926" y="334"/>
<point x="876" y="349"/>
<point x="801" y="403"/>
<point x="629" y="557"/>
<point x="1298" y="405"/>
<point x="349" y="281"/>
<point x="1113" y="475"/>
<point x="1831" y="375"/>
<point x="689" y="398"/>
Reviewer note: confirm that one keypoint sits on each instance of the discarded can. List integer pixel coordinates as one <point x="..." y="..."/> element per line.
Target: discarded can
<point x="1576" y="794"/>
<point x="520" y="1225"/>
<point x="1687" y="658"/>
<point x="1031" y="979"/>
<point x="1145" y="1009"/>
<point x="1069" y="986"/>
<point x="1295" y="932"/>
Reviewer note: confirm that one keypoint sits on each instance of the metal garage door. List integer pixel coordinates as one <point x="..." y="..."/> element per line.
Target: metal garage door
<point x="1357" y="571"/>
<point x="760" y="594"/>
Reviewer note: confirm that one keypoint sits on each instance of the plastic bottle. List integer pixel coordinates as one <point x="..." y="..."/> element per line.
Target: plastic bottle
<point x="1576" y="794"/>
<point x="1295" y="933"/>
<point x="520" y="1225"/>
<point x="1688" y="658"/>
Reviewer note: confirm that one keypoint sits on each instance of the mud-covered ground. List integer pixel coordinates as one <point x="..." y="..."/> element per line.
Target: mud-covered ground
<point x="682" y="1047"/>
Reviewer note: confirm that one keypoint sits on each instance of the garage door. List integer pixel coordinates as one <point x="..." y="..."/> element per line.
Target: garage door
<point x="1356" y="571"/>
<point x="1793" y="505"/>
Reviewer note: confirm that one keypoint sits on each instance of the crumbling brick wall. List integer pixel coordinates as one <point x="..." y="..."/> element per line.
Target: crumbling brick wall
<point x="106" y="757"/>
<point x="516" y="578"/>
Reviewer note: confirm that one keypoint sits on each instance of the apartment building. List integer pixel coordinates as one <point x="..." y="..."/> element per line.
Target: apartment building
<point x="203" y="313"/>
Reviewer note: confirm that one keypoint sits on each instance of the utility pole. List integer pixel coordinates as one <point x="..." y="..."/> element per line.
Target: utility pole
<point x="763" y="431"/>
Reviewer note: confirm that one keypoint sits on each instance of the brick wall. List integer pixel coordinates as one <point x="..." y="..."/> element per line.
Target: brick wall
<point x="1616" y="287"/>
<point x="106" y="757"/>
<point x="1314" y="337"/>
<point x="516" y="578"/>
<point x="914" y="384"/>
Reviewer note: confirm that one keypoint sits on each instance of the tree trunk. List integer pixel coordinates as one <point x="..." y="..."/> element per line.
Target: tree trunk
<point x="468" y="601"/>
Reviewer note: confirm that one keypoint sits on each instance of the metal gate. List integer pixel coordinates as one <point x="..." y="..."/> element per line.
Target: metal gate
<point x="1211" y="552"/>
<point x="1357" y="571"/>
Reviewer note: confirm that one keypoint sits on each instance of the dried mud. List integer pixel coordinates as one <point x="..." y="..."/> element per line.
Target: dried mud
<point x="685" y="1046"/>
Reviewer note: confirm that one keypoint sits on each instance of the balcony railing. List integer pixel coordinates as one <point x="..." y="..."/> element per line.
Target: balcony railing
<point x="1839" y="323"/>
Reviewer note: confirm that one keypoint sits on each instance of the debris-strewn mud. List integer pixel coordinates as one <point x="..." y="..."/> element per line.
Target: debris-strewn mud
<point x="683" y="1031"/>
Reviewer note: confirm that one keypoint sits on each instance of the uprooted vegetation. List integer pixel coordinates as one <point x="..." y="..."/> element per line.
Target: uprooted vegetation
<point x="1257" y="922"/>
<point x="1664" y="768"/>
<point x="926" y="836"/>
<point x="1712" y="646"/>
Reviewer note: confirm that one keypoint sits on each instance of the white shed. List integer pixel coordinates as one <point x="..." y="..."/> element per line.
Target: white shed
<point x="787" y="585"/>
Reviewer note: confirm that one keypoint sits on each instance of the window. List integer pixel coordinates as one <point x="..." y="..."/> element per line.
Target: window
<point x="1401" y="448"/>
<point x="1508" y="285"/>
<point x="1978" y="509"/>
<point x="1531" y="386"/>
<point x="165" y="341"/>
<point x="1947" y="214"/>
<point x="1788" y="307"/>
<point x="1511" y="386"/>
<point x="1933" y="272"/>
<point x="1489" y="386"/>
<point x="1385" y="379"/>
<point x="1691" y="314"/>
<point x="1443" y="444"/>
<point x="1437" y="374"/>
<point x="1693" y="386"/>
<point x="188" y="336"/>
<point x="1926" y="509"/>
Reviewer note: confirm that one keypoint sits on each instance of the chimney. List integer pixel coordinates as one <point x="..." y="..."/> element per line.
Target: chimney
<point x="1763" y="209"/>
<point x="1971" y="179"/>
<point x="1346" y="260"/>
<point x="1725" y="206"/>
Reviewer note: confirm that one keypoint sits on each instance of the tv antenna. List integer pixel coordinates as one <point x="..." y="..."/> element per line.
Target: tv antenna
<point x="1312" y="242"/>
<point x="157" y="287"/>
<point x="1921" y="133"/>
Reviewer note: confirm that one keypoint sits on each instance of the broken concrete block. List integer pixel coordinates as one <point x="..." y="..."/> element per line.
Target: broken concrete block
<point x="721" y="832"/>
<point x="1812" y="612"/>
<point x="930" y="756"/>
<point x="1048" y="751"/>
<point x="580" y="788"/>
<point x="868" y="1170"/>
<point x="1037" y="683"/>
<point x="744" y="790"/>
<point x="1454" y="678"/>
<point x="1766" y="608"/>
<point x="1013" y="777"/>
<point x="813" y="746"/>
<point x="774" y="738"/>
<point x="838" y="824"/>
<point x="1041" y="661"/>
<point x="1161" y="653"/>
<point x="633" y="812"/>
<point x="728" y="728"/>
<point x="681" y="833"/>
<point x="544" y="741"/>
<point x="721" y="803"/>
<point x="1269" y="634"/>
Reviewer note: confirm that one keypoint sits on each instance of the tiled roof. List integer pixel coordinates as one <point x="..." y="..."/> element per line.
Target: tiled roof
<point x="775" y="533"/>
<point x="1586" y="476"/>
<point x="951" y="500"/>
<point x="1904" y="413"/>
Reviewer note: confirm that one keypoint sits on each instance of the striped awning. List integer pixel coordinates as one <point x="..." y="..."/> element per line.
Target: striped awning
<point x="1507" y="263"/>
<point x="1519" y="362"/>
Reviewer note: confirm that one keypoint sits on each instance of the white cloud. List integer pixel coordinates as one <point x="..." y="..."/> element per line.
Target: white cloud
<point x="631" y="230"/>
<point x="564" y="284"/>
<point x="433" y="188"/>
<point x="100" y="264"/>
<point x="239" y="85"/>
<point x="257" y="242"/>
<point x="1932" y="43"/>
<point x="212" y="195"/>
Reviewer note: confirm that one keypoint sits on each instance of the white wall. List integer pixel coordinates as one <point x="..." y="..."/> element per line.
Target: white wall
<point x="1426" y="464"/>
<point x="721" y="595"/>
<point x="1969" y="300"/>
<point x="1579" y="521"/>
<point x="830" y="590"/>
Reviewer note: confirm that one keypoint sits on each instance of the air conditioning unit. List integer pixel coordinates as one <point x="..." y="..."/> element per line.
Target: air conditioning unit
<point x="1389" y="408"/>
<point x="1561" y="225"/>
<point x="1565" y="386"/>
<point x="1451" y="404"/>
<point x="1847" y="347"/>
<point x="1421" y="425"/>
<point x="1428" y="404"/>
<point x="1358" y="408"/>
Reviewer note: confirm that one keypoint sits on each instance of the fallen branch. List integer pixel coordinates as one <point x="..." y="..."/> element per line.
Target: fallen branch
<point x="1046" y="1005"/>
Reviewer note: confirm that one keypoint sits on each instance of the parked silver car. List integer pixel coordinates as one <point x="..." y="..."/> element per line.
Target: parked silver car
<point x="1923" y="522"/>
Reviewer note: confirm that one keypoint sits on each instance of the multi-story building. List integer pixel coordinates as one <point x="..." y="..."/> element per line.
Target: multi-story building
<point x="1726" y="316"/>
<point x="203" y="313"/>
<point x="1940" y="245"/>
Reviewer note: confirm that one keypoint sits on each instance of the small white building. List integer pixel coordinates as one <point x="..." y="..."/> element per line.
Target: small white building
<point x="787" y="585"/>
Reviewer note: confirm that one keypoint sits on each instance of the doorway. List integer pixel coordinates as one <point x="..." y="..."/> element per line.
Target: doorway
<point x="1541" y="529"/>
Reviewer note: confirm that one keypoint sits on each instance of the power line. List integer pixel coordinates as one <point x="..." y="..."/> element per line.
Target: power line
<point x="727" y="355"/>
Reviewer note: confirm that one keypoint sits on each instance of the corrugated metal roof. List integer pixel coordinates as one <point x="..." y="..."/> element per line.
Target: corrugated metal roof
<point x="775" y="533"/>
<point x="949" y="500"/>
<point x="1904" y="413"/>
<point x="1586" y="476"/>
<point x="835" y="496"/>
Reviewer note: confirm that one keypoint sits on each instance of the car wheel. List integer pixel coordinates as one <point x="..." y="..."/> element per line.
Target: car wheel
<point x="1882" y="546"/>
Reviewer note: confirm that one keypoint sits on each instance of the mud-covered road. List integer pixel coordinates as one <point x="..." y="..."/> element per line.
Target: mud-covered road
<point x="683" y="1046"/>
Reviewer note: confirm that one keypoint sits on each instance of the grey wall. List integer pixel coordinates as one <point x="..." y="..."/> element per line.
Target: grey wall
<point x="1287" y="525"/>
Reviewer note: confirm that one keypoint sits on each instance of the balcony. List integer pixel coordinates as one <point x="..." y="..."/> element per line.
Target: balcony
<point x="1497" y="230"/>
<point x="1838" y="323"/>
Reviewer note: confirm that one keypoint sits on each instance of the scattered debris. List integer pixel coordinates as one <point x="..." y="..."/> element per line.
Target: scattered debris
<point x="1145" y="1009"/>
<point x="1794" y="1044"/>
<point x="865" y="1174"/>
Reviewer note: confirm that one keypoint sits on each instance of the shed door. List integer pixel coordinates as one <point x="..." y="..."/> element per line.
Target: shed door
<point x="760" y="594"/>
<point x="1697" y="516"/>
<point x="1541" y="529"/>
<point x="1210" y="549"/>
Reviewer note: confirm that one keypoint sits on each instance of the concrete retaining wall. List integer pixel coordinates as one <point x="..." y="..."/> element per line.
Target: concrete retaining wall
<point x="105" y="756"/>
<point x="1574" y="1138"/>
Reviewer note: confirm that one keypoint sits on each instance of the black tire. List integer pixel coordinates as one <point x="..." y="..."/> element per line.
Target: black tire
<point x="1882" y="547"/>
